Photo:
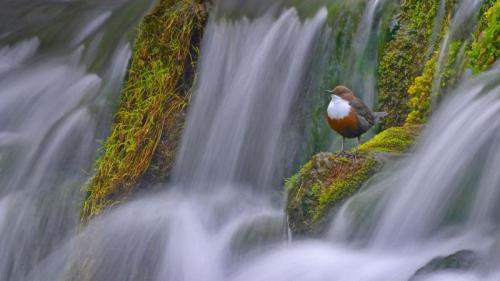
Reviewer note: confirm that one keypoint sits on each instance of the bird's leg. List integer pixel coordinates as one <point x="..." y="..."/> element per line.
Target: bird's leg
<point x="359" y="140"/>
<point x="343" y="139"/>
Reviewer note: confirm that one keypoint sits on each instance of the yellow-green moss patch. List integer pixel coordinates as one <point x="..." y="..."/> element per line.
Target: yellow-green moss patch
<point x="151" y="98"/>
<point x="420" y="94"/>
<point x="392" y="140"/>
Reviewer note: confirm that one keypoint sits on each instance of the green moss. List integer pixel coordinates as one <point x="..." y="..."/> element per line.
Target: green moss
<point x="322" y="184"/>
<point x="486" y="47"/>
<point x="392" y="140"/>
<point x="404" y="58"/>
<point x="426" y="90"/>
<point x="151" y="98"/>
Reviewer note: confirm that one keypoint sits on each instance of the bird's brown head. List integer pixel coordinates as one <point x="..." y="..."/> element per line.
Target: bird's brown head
<point x="341" y="91"/>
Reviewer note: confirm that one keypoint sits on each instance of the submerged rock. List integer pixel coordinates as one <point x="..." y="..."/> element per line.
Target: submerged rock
<point x="256" y="234"/>
<point x="461" y="260"/>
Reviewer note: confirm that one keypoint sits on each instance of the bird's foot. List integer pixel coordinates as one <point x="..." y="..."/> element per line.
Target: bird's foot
<point x="349" y="155"/>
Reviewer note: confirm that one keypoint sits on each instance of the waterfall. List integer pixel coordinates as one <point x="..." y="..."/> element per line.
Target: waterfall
<point x="54" y="106"/>
<point x="221" y="207"/>
<point x="221" y="217"/>
<point x="251" y="75"/>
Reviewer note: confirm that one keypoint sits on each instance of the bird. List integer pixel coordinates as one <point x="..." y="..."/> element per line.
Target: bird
<point x="348" y="115"/>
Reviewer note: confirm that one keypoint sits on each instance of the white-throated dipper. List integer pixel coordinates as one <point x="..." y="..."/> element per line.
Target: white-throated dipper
<point x="348" y="115"/>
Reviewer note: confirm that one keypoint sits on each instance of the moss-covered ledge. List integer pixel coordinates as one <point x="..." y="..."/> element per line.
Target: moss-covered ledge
<point x="392" y="140"/>
<point x="328" y="179"/>
<point x="153" y="101"/>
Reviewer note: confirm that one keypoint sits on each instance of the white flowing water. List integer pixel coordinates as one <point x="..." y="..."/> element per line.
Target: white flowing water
<point x="55" y="104"/>
<point x="251" y="76"/>
<point x="221" y="218"/>
<point x="222" y="206"/>
<point x="439" y="201"/>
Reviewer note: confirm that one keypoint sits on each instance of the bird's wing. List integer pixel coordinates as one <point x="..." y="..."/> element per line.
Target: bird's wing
<point x="363" y="111"/>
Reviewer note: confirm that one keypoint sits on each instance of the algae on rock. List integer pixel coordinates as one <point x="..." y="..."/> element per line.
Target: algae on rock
<point x="153" y="101"/>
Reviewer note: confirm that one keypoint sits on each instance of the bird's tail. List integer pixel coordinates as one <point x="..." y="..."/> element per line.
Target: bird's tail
<point x="379" y="115"/>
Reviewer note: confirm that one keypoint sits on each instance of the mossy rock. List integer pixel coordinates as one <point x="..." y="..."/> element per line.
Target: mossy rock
<point x="328" y="179"/>
<point x="322" y="184"/>
<point x="461" y="260"/>
<point x="154" y="99"/>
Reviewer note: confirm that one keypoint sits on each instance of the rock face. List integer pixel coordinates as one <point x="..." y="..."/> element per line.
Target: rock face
<point x="461" y="260"/>
<point x="328" y="179"/>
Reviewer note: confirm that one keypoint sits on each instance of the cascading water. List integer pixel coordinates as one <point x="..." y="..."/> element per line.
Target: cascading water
<point x="221" y="203"/>
<point x="55" y="93"/>
<point x="220" y="219"/>
<point x="249" y="81"/>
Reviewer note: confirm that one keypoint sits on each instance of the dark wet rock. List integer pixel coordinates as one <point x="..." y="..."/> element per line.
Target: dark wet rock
<point x="461" y="260"/>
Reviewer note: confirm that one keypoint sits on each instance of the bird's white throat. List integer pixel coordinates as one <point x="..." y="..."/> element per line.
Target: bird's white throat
<point x="338" y="108"/>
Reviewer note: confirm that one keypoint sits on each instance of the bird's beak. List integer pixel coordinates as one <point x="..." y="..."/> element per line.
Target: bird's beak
<point x="329" y="92"/>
